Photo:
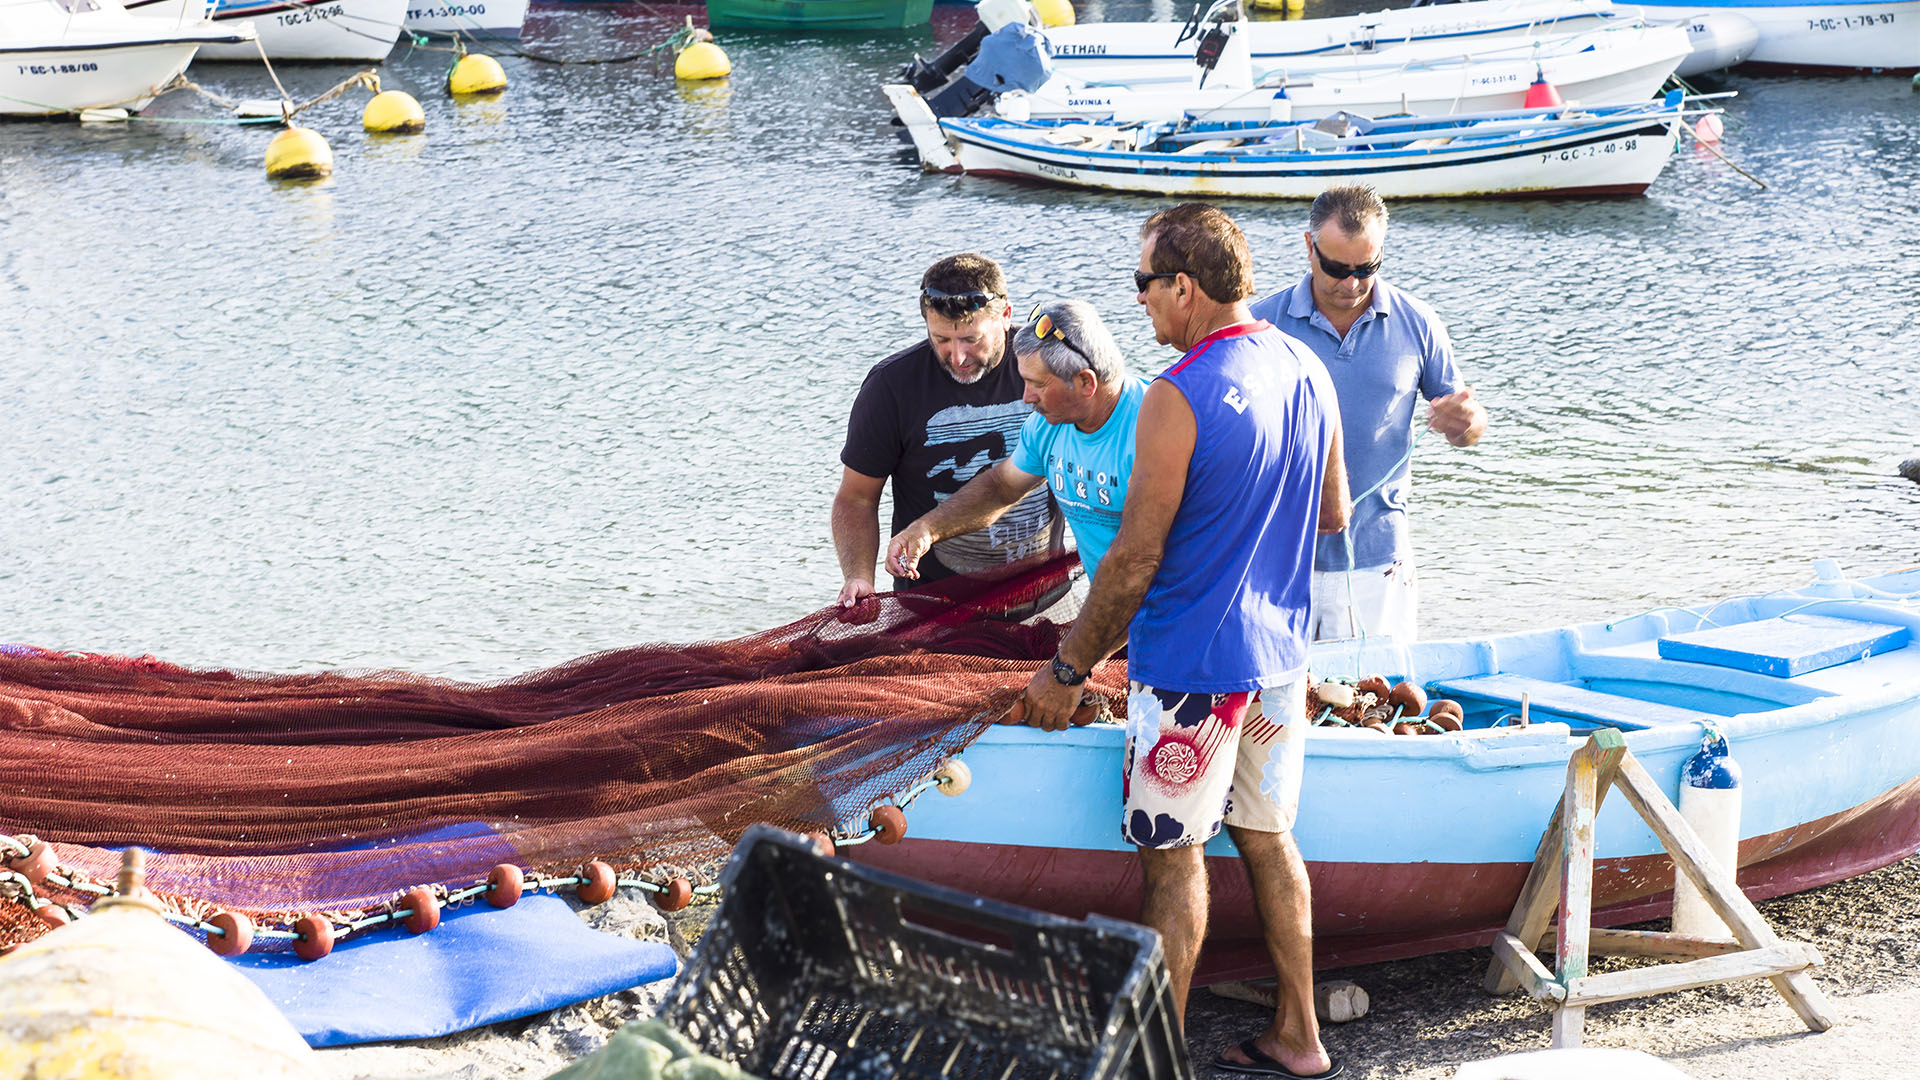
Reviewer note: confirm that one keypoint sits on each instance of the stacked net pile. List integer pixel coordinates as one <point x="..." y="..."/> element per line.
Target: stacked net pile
<point x="281" y="794"/>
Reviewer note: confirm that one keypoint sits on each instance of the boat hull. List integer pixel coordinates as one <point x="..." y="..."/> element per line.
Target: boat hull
<point x="1881" y="36"/>
<point x="1620" y="159"/>
<point x="484" y="19"/>
<point x="818" y="14"/>
<point x="363" y="30"/>
<point x="1418" y="845"/>
<point x="63" y="79"/>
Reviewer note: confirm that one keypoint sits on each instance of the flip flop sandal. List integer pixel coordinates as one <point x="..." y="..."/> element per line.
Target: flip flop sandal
<point x="1259" y="1064"/>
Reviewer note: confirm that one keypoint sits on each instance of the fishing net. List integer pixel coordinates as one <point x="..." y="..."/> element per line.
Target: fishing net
<point x="277" y="795"/>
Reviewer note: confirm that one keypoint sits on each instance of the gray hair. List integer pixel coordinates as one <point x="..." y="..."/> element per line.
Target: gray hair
<point x="1082" y="325"/>
<point x="1352" y="206"/>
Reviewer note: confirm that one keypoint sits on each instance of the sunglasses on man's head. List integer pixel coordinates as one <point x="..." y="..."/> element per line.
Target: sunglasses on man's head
<point x="954" y="305"/>
<point x="1142" y="279"/>
<point x="1340" y="271"/>
<point x="1043" y="329"/>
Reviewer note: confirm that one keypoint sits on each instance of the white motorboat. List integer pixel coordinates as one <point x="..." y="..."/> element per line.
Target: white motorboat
<point x="478" y="19"/>
<point x="360" y="30"/>
<point x="1846" y="34"/>
<point x="68" y="56"/>
<point x="1607" y="150"/>
<point x="1616" y="64"/>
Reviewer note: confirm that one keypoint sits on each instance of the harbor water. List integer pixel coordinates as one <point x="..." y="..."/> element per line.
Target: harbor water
<point x="571" y="371"/>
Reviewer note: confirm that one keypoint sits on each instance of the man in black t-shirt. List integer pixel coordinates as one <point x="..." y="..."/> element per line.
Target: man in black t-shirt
<point x="929" y="418"/>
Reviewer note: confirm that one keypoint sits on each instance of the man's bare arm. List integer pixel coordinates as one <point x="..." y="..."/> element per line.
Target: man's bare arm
<point x="856" y="532"/>
<point x="1336" y="502"/>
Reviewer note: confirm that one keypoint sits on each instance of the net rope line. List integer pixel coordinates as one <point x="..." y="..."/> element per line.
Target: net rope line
<point x="283" y="796"/>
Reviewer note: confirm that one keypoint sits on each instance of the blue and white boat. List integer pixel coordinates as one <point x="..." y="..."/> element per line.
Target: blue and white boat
<point x="1844" y="35"/>
<point x="1418" y="844"/>
<point x="1559" y="150"/>
<point x="360" y="30"/>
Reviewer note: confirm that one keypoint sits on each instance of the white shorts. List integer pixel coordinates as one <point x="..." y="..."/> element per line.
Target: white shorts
<point x="1374" y="601"/>
<point x="1197" y="760"/>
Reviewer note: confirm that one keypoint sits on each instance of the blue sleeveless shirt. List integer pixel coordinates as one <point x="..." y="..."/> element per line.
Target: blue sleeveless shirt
<point x="1227" y="610"/>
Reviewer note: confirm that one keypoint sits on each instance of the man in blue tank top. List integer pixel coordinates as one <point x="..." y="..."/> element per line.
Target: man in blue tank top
<point x="1237" y="462"/>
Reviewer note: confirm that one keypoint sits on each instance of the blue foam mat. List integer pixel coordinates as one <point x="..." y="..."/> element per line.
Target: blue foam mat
<point x="480" y="966"/>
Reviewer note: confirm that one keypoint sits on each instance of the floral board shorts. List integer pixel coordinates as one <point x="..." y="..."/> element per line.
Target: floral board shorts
<point x="1195" y="761"/>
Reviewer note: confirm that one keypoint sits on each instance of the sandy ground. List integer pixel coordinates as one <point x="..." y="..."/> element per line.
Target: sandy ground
<point x="1428" y="1015"/>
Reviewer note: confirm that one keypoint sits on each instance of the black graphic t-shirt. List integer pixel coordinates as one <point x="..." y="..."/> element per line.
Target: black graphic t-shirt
<point x="928" y="434"/>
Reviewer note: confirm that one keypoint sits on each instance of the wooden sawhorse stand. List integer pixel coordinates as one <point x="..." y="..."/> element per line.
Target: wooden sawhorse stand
<point x="1563" y="865"/>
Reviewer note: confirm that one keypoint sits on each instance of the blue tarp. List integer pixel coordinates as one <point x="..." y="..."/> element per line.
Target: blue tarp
<point x="480" y="966"/>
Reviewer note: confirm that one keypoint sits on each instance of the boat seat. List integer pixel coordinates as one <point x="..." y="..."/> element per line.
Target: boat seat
<point x="1566" y="700"/>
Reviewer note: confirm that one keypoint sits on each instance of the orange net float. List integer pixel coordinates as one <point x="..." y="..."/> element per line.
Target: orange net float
<point x="889" y="824"/>
<point x="426" y="909"/>
<point x="505" y="883"/>
<point x="235" y="936"/>
<point x="316" y="937"/>
<point x="1375" y="685"/>
<point x="823" y="844"/>
<point x="677" y="895"/>
<point x="597" y="883"/>
<point x="1407" y="699"/>
<point x="1447" y="714"/>
<point x="53" y="915"/>
<point x="35" y="865"/>
<point x="1406" y="727"/>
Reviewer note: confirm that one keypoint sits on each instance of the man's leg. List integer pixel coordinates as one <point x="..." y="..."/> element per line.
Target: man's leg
<point x="1174" y="901"/>
<point x="1283" y="898"/>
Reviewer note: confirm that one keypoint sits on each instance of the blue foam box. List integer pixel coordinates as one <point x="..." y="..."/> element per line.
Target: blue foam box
<point x="1787" y="646"/>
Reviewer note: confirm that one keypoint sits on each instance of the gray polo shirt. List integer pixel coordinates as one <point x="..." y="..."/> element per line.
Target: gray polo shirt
<point x="1396" y="347"/>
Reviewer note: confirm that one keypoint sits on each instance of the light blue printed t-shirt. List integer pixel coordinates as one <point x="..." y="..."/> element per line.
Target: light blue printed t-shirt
<point x="1088" y="473"/>
<point x="1396" y="347"/>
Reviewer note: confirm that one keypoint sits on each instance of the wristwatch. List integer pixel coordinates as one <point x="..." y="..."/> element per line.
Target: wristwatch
<point x="1064" y="674"/>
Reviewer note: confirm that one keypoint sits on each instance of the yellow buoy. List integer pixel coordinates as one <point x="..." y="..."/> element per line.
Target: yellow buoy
<point x="394" y="112"/>
<point x="1296" y="6"/>
<point x="1054" y="12"/>
<point x="298" y="154"/>
<point x="476" y="73"/>
<point x="702" y="60"/>
<point x="121" y="994"/>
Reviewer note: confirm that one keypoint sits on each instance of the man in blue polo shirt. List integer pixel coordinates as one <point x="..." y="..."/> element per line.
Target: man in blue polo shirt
<point x="1381" y="346"/>
<point x="1079" y="441"/>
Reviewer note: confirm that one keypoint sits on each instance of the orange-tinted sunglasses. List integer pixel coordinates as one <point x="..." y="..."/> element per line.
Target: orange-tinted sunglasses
<point x="1043" y="329"/>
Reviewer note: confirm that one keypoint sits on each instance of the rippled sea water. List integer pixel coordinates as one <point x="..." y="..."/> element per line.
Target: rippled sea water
<point x="572" y="370"/>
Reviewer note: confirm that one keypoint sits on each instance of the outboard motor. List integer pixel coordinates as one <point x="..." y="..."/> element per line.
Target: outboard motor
<point x="1014" y="57"/>
<point x="993" y="14"/>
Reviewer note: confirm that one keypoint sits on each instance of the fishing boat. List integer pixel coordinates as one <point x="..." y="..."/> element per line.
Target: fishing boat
<point x="482" y="20"/>
<point x="1418" y="844"/>
<point x="1126" y="52"/>
<point x="818" y="14"/>
<point x="67" y="56"/>
<point x="1880" y="36"/>
<point x="359" y="30"/>
<point x="1614" y="65"/>
<point x="1558" y="150"/>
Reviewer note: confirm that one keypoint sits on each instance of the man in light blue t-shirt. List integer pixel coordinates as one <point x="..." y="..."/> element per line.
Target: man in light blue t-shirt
<point x="1079" y="441"/>
<point x="1384" y="350"/>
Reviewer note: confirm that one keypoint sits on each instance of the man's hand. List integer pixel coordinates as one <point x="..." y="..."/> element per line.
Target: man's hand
<point x="1050" y="705"/>
<point x="855" y="590"/>
<point x="1459" y="417"/>
<point x="904" y="551"/>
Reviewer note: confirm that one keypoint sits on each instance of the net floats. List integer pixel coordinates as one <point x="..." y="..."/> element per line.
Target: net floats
<point x="299" y="153"/>
<point x="889" y="824"/>
<point x="1382" y="706"/>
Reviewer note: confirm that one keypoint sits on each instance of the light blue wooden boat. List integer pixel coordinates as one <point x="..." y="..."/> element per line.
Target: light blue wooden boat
<point x="1420" y="844"/>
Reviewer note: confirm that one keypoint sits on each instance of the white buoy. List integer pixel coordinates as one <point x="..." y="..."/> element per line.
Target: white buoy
<point x="1710" y="802"/>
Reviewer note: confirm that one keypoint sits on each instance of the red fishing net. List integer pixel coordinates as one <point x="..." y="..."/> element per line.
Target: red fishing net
<point x="283" y="794"/>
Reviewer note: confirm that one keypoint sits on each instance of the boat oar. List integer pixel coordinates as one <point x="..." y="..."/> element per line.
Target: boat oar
<point x="1698" y="141"/>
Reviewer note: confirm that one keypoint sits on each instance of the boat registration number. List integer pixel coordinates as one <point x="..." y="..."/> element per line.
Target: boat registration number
<point x="1852" y="22"/>
<point x="448" y="11"/>
<point x="1578" y="153"/>
<point x="312" y="14"/>
<point x="56" y="69"/>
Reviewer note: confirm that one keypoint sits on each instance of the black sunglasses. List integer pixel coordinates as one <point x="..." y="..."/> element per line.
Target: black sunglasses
<point x="1043" y="328"/>
<point x="1142" y="279"/>
<point x="1340" y="271"/>
<point x="954" y="305"/>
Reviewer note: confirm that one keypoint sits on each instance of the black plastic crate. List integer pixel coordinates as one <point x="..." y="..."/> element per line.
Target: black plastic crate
<point x="821" y="969"/>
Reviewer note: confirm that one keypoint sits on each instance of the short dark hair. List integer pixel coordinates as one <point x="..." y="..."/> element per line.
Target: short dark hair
<point x="965" y="272"/>
<point x="1202" y="240"/>
<point x="1351" y="206"/>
